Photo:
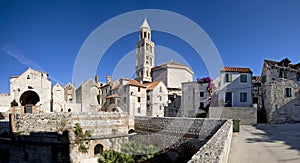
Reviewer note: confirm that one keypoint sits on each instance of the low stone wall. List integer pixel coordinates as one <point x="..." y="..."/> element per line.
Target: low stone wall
<point x="101" y="123"/>
<point x="217" y="148"/>
<point x="177" y="125"/>
<point x="247" y="115"/>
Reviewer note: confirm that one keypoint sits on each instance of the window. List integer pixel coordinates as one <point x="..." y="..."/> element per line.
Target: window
<point x="243" y="97"/>
<point x="124" y="100"/>
<point x="282" y="74"/>
<point x="160" y="107"/>
<point x="201" y="94"/>
<point x="148" y="97"/>
<point x="160" y="98"/>
<point x="243" y="78"/>
<point x="139" y="99"/>
<point x="288" y="92"/>
<point x="139" y="109"/>
<point x="160" y="89"/>
<point x="139" y="89"/>
<point x="201" y="105"/>
<point x="298" y="76"/>
<point x="228" y="77"/>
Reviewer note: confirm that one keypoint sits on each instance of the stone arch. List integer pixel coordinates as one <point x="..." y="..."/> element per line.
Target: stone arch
<point x="29" y="98"/>
<point x="98" y="150"/>
<point x="131" y="131"/>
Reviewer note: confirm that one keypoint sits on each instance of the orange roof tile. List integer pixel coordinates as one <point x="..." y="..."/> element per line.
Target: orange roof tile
<point x="135" y="83"/>
<point x="236" y="69"/>
<point x="113" y="96"/>
<point x="151" y="86"/>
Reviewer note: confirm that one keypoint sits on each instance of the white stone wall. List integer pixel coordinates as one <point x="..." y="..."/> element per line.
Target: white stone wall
<point x="86" y="95"/>
<point x="158" y="100"/>
<point x="190" y="100"/>
<point x="59" y="103"/>
<point x="177" y="76"/>
<point x="236" y="87"/>
<point x="5" y="101"/>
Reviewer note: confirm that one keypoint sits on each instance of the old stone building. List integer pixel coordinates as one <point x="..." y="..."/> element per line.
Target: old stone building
<point x="280" y="88"/>
<point x="172" y="74"/>
<point x="195" y="98"/>
<point x="86" y="96"/>
<point x="32" y="91"/>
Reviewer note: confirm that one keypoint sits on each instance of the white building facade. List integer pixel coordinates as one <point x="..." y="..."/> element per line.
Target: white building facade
<point x="234" y="87"/>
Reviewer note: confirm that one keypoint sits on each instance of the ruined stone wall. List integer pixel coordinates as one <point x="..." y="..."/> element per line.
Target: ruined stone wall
<point x="247" y="115"/>
<point x="217" y="148"/>
<point x="50" y="134"/>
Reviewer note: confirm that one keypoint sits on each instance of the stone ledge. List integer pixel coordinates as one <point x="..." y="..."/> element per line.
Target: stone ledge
<point x="217" y="148"/>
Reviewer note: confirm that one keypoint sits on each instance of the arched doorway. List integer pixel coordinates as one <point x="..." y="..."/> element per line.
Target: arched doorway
<point x="98" y="150"/>
<point x="29" y="99"/>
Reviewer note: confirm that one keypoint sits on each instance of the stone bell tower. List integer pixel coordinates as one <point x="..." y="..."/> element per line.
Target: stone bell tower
<point x="144" y="54"/>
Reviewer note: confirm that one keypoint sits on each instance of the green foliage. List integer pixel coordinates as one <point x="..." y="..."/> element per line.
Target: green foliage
<point x="80" y="138"/>
<point x="112" y="156"/>
<point x="13" y="103"/>
<point x="140" y="152"/>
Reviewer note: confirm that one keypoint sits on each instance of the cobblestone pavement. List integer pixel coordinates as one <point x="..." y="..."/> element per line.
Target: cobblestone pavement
<point x="266" y="143"/>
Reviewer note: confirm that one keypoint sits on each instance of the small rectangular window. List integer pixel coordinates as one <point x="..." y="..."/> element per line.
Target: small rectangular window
<point x="298" y="76"/>
<point x="288" y="92"/>
<point x="243" y="78"/>
<point x="228" y="77"/>
<point x="139" y="89"/>
<point x="243" y="97"/>
<point x="160" y="89"/>
<point x="139" y="109"/>
<point x="201" y="94"/>
<point x="124" y="100"/>
<point x="139" y="99"/>
<point x="201" y="105"/>
<point x="282" y="73"/>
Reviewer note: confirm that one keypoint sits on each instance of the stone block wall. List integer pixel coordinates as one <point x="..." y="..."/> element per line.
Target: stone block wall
<point x="247" y="115"/>
<point x="217" y="148"/>
<point x="101" y="123"/>
<point x="175" y="125"/>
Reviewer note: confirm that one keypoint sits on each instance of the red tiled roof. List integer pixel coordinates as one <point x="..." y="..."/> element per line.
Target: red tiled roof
<point x="236" y="69"/>
<point x="113" y="96"/>
<point x="135" y="83"/>
<point x="151" y="86"/>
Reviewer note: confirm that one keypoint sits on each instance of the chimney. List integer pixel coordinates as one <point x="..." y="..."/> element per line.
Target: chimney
<point x="108" y="78"/>
<point x="96" y="78"/>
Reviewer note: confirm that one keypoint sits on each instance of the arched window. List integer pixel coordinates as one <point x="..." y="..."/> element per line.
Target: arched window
<point x="98" y="150"/>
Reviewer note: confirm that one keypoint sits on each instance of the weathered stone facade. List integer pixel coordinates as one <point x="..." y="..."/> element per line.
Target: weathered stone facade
<point x="280" y="88"/>
<point x="36" y="134"/>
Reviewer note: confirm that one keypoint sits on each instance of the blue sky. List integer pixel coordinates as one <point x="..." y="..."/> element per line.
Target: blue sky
<point x="47" y="35"/>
